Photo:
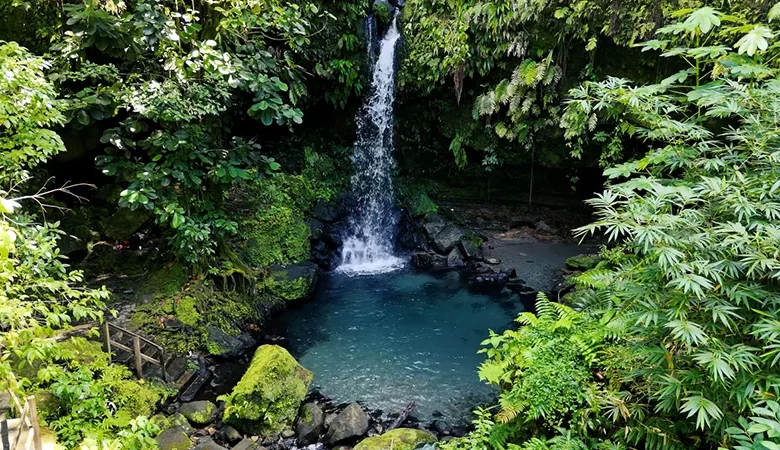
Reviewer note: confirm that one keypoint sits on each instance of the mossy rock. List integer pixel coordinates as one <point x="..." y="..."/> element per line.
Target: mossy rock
<point x="292" y="282"/>
<point x="124" y="223"/>
<point x="177" y="420"/>
<point x="267" y="398"/>
<point x="398" y="439"/>
<point x="582" y="262"/>
<point x="383" y="11"/>
<point x="174" y="439"/>
<point x="201" y="412"/>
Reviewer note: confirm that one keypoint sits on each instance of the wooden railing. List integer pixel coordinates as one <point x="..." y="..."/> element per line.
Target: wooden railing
<point x="28" y="421"/>
<point x="138" y="355"/>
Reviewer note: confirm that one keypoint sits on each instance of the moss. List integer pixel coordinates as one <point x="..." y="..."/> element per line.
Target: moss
<point x="582" y="262"/>
<point x="137" y="398"/>
<point x="289" y="283"/>
<point x="398" y="439"/>
<point x="274" y="236"/>
<point x="267" y="398"/>
<point x="168" y="422"/>
<point x="383" y="11"/>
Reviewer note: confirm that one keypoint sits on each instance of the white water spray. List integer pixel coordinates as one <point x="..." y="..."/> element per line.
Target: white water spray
<point x="369" y="248"/>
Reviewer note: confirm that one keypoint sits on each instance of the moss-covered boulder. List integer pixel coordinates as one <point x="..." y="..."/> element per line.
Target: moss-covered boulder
<point x="383" y="11"/>
<point x="174" y="439"/>
<point x="398" y="439"/>
<point x="267" y="398"/>
<point x="201" y="412"/>
<point x="175" y="421"/>
<point x="582" y="262"/>
<point x="291" y="282"/>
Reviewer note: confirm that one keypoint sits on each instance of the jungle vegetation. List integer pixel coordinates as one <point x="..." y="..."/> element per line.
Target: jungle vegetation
<point x="672" y="341"/>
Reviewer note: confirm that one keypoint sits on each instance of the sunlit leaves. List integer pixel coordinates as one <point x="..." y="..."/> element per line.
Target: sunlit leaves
<point x="704" y="410"/>
<point x="755" y="40"/>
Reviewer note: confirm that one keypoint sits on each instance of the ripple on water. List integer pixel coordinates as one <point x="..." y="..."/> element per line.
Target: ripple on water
<point x="398" y="337"/>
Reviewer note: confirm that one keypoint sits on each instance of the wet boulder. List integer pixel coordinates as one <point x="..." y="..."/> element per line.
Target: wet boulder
<point x="447" y="239"/>
<point x="310" y="424"/>
<point x="326" y="212"/>
<point x="350" y="423"/>
<point x="201" y="412"/>
<point x="428" y="260"/>
<point x="470" y="251"/>
<point x="454" y="258"/>
<point x="398" y="439"/>
<point x="432" y="225"/>
<point x="267" y="398"/>
<point x="441" y="427"/>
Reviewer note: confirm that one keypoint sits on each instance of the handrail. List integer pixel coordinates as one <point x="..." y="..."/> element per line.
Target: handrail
<point x="28" y="417"/>
<point x="139" y="356"/>
<point x="132" y="333"/>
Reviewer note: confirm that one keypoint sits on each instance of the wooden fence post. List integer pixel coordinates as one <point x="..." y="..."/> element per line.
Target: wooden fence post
<point x="162" y="365"/>
<point x="36" y="427"/>
<point x="139" y="362"/>
<point x="106" y="338"/>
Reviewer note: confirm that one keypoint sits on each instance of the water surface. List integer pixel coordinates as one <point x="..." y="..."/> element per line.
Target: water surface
<point x="398" y="337"/>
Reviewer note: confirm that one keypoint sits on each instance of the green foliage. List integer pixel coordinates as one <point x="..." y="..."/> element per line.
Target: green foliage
<point x="166" y="82"/>
<point x="84" y="391"/>
<point x="28" y="108"/>
<point x="673" y="334"/>
<point x="545" y="365"/>
<point x="268" y="396"/>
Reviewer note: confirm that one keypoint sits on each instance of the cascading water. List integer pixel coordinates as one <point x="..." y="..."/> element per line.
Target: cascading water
<point x="369" y="249"/>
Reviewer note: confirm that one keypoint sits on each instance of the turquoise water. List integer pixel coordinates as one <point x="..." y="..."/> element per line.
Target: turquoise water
<point x="393" y="338"/>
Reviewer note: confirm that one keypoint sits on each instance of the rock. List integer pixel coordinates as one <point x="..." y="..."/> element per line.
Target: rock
<point x="350" y="423"/>
<point x="246" y="444"/>
<point x="491" y="278"/>
<point x="383" y="11"/>
<point x="225" y="345"/>
<point x="329" y="420"/>
<point x="441" y="427"/>
<point x="455" y="259"/>
<point x="293" y="282"/>
<point x="230" y="434"/>
<point x="470" y="251"/>
<point x="582" y="262"/>
<point x="121" y="225"/>
<point x="428" y="260"/>
<point x="209" y="444"/>
<point x="544" y="228"/>
<point x="398" y="439"/>
<point x="325" y="212"/>
<point x="447" y="239"/>
<point x="316" y="228"/>
<point x="201" y="412"/>
<point x="174" y="439"/>
<point x="493" y="261"/>
<point x="267" y="398"/>
<point x="433" y="224"/>
<point x="173" y="421"/>
<point x="288" y="433"/>
<point x="310" y="424"/>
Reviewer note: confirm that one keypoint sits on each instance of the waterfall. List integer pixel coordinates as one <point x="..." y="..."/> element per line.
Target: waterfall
<point x="369" y="248"/>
